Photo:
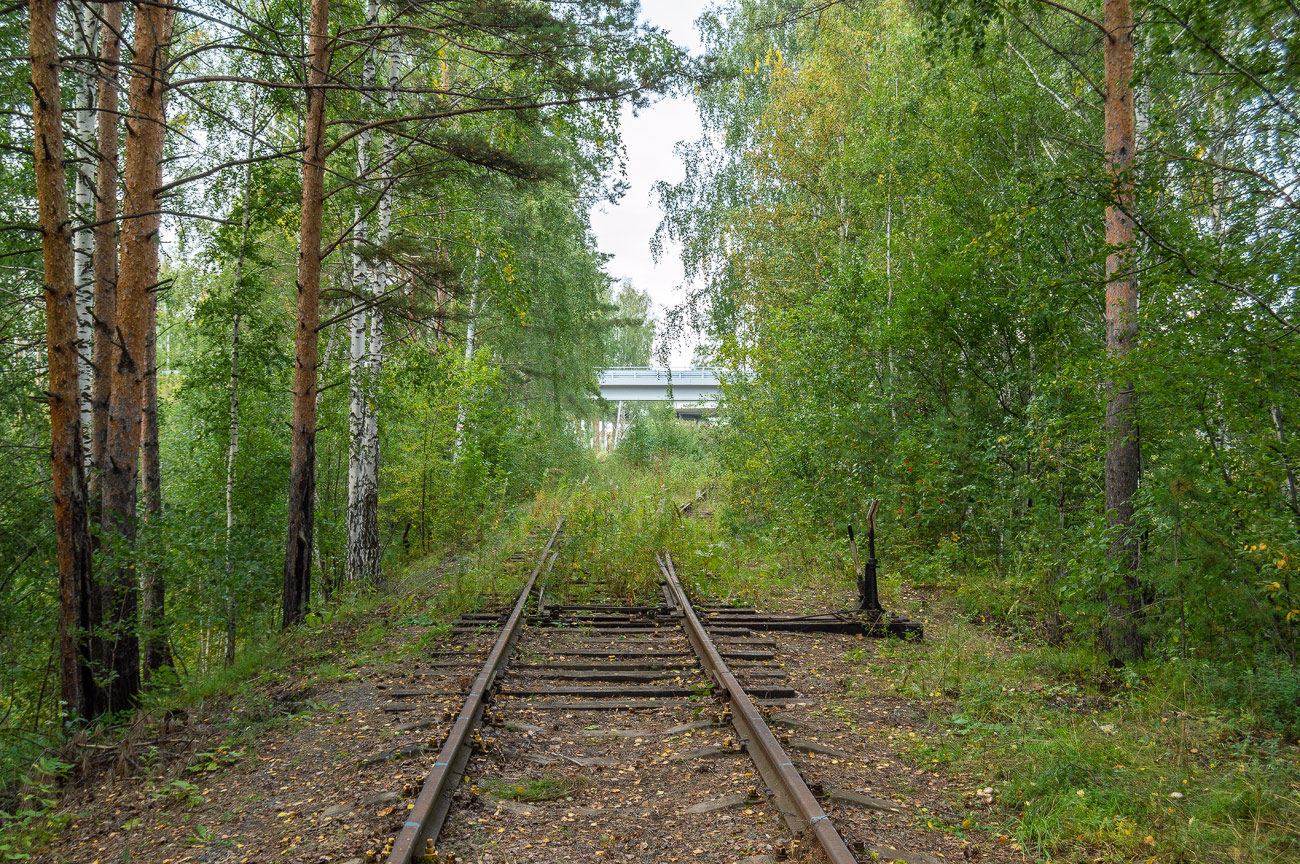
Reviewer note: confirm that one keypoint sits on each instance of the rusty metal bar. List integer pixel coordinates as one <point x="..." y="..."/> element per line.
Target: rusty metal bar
<point x="801" y="810"/>
<point x="424" y="820"/>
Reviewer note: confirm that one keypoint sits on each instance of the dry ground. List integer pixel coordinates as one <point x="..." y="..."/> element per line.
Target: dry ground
<point x="321" y="766"/>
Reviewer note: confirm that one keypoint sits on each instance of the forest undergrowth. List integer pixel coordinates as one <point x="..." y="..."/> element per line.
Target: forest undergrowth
<point x="1163" y="760"/>
<point x="615" y="514"/>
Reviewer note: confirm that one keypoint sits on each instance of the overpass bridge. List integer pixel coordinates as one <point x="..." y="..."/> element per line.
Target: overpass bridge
<point x="682" y="387"/>
<point x="693" y="393"/>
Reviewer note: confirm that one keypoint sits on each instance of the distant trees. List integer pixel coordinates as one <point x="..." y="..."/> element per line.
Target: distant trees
<point x="634" y="328"/>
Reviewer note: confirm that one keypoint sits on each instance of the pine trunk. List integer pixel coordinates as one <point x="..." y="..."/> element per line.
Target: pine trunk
<point x="110" y="55"/>
<point x="137" y="282"/>
<point x="71" y="516"/>
<point x="153" y="616"/>
<point x="302" y="472"/>
<point x="1122" y="635"/>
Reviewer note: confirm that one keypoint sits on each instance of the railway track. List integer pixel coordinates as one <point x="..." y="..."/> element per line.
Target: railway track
<point x="658" y="717"/>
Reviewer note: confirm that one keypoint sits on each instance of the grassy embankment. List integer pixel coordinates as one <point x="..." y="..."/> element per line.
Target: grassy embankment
<point x="1165" y="761"/>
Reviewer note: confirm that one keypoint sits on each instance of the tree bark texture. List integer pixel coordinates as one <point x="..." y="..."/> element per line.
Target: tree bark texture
<point x="1122" y="635"/>
<point x="356" y="569"/>
<point x="85" y="27"/>
<point x="153" y="617"/>
<point x="380" y="279"/>
<point x="302" y="471"/>
<point x="367" y="323"/>
<point x="71" y="514"/>
<point x="137" y="281"/>
<point x="232" y="452"/>
<point x="105" y="302"/>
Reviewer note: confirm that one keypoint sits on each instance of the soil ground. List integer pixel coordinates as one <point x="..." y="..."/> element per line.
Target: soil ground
<point x="322" y="764"/>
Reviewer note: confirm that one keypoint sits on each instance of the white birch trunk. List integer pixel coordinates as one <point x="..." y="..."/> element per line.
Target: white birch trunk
<point x="359" y="369"/>
<point x="86" y="30"/>
<point x="367" y="359"/>
<point x="370" y="548"/>
<point x="461" y="413"/>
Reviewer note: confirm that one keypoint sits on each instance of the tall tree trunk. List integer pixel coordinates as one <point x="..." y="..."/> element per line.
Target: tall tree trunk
<point x="1122" y="634"/>
<point x="137" y="282"/>
<point x="302" y="471"/>
<point x="85" y="28"/>
<point x="106" y="229"/>
<point x="363" y="485"/>
<point x="232" y="452"/>
<point x="369" y="486"/>
<point x="232" y="449"/>
<point x="462" y="413"/>
<point x="153" y="613"/>
<point x="71" y="515"/>
<point x="359" y="369"/>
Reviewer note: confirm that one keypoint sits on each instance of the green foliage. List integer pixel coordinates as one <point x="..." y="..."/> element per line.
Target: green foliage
<point x="489" y="235"/>
<point x="31" y="821"/>
<point x="1086" y="762"/>
<point x="1176" y="761"/>
<point x="903" y="254"/>
<point x="634" y="332"/>
<point x="655" y="433"/>
<point x="616" y="523"/>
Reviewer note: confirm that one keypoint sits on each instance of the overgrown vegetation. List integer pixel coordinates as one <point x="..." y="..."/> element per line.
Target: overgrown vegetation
<point x="1087" y="760"/>
<point x="1162" y="761"/>
<point x="899" y="224"/>
<point x="960" y="256"/>
<point x="405" y="352"/>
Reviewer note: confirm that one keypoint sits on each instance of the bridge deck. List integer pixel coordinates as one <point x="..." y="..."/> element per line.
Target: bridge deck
<point x="679" y="386"/>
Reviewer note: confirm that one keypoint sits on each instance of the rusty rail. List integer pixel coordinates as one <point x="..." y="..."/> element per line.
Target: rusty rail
<point x="427" y="815"/>
<point x="796" y="801"/>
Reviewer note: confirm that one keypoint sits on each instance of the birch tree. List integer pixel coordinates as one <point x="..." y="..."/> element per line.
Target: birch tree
<point x="232" y="446"/>
<point x="362" y="541"/>
<point x="85" y="29"/>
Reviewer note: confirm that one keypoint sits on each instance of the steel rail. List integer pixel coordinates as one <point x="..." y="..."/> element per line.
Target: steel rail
<point x="427" y="814"/>
<point x="796" y="801"/>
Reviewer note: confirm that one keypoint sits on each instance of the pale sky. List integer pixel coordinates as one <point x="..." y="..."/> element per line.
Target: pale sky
<point x="624" y="230"/>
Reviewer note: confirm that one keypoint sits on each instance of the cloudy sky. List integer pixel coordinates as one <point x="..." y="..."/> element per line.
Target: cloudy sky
<point x="624" y="230"/>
